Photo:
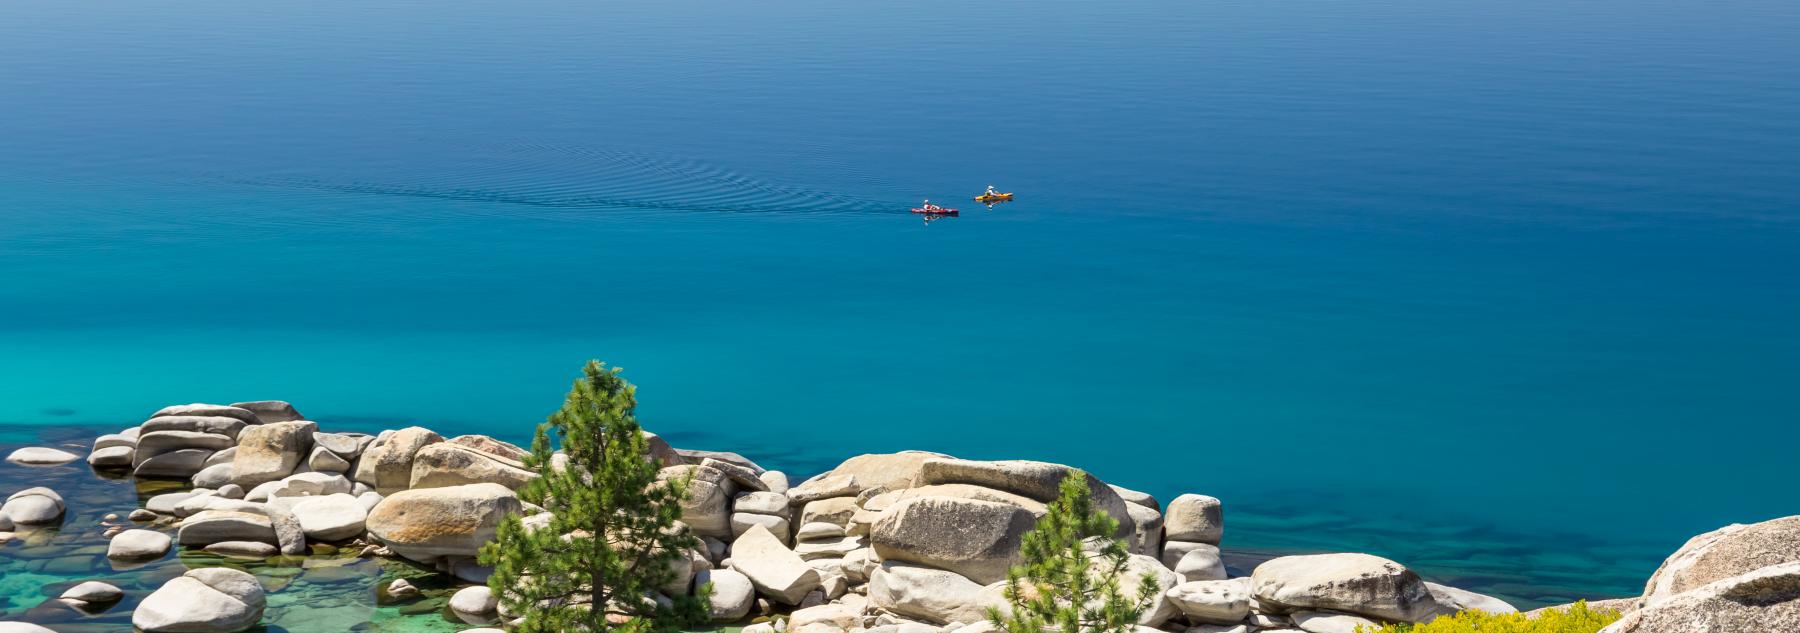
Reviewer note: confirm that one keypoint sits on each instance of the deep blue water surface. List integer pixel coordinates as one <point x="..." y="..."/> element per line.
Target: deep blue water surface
<point x="1504" y="290"/>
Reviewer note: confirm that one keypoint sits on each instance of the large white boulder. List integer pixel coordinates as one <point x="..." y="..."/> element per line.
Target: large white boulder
<point x="181" y="463"/>
<point x="41" y="456"/>
<point x="978" y="539"/>
<point x="732" y="593"/>
<point x="449" y="464"/>
<point x="214" y="599"/>
<point x="474" y="601"/>
<point x="213" y="424"/>
<point x="1724" y="553"/>
<point x="878" y="471"/>
<point x="154" y="443"/>
<point x="333" y="517"/>
<point x="269" y="452"/>
<point x="1763" y="600"/>
<point x="207" y="410"/>
<point x="387" y="463"/>
<point x="138" y="545"/>
<point x="932" y="595"/>
<point x="34" y="506"/>
<point x="707" y="508"/>
<point x="772" y="568"/>
<point x="428" y="524"/>
<point x="1360" y="584"/>
<point x="215" y="526"/>
<point x="270" y="411"/>
<point x="1037" y="480"/>
<point x="1453" y="600"/>
<point x="1212" y="601"/>
<point x="1196" y="518"/>
<point x="1201" y="563"/>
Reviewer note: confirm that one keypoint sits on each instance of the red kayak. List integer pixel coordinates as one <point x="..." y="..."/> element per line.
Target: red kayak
<point x="932" y="209"/>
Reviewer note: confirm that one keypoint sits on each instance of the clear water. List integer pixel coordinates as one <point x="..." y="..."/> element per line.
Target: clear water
<point x="1503" y="290"/>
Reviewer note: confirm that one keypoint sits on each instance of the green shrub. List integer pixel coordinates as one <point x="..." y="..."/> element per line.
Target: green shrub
<point x="1578" y="618"/>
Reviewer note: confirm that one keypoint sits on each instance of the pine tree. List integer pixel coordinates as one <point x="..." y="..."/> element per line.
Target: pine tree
<point x="1070" y="580"/>
<point x="613" y="538"/>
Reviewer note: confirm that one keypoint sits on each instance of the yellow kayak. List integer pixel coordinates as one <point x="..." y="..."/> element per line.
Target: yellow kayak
<point x="994" y="197"/>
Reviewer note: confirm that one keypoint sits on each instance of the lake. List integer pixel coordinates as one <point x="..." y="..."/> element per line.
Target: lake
<point x="1505" y="291"/>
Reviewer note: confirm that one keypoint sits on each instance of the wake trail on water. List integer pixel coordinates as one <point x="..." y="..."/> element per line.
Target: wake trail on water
<point x="569" y="177"/>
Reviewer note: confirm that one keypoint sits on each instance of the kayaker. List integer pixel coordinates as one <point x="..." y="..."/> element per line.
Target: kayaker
<point x="991" y="192"/>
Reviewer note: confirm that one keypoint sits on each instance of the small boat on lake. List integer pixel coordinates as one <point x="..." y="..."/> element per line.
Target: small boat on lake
<point x="931" y="209"/>
<point x="991" y="196"/>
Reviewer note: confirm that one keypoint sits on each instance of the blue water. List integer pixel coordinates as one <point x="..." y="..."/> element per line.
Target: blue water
<point x="1500" y="289"/>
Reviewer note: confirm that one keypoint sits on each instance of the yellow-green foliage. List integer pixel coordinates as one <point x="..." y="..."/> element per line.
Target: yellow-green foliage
<point x="1578" y="618"/>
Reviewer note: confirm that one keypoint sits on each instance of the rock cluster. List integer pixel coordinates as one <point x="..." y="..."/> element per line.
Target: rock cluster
<point x="909" y="542"/>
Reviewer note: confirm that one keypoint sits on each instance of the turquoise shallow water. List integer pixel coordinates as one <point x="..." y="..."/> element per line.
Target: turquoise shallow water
<point x="1502" y="290"/>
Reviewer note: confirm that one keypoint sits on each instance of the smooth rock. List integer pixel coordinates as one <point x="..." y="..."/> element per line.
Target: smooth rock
<point x="1195" y="518"/>
<point x="1037" y="480"/>
<point x="745" y="478"/>
<point x="445" y="464"/>
<point x="207" y="410"/>
<point x="215" y="476"/>
<point x="1453" y="600"/>
<point x="137" y="545"/>
<point x="1147" y="530"/>
<point x="1723" y="553"/>
<point x="832" y="548"/>
<point x="775" y="481"/>
<point x="270" y="411"/>
<point x="22" y="627"/>
<point x="1329" y="622"/>
<point x="474" y="601"/>
<point x="311" y="484"/>
<point x="215" y="599"/>
<point x="978" y="539"/>
<point x="740" y="522"/>
<point x="112" y="457"/>
<point x="732" y="593"/>
<point x="94" y="591"/>
<point x="41" y="456"/>
<point x="776" y="571"/>
<point x="180" y="464"/>
<point x="34" y="506"/>
<point x="345" y="445"/>
<point x="1201" y="563"/>
<point x="323" y="460"/>
<point x="111" y="440"/>
<point x="880" y="471"/>
<point x="707" y="508"/>
<point x="1353" y="583"/>
<point x="1766" y="600"/>
<point x="211" y="425"/>
<point x="933" y="595"/>
<point x="1211" y="601"/>
<point x="768" y="503"/>
<point x="1136" y="498"/>
<point x="221" y="457"/>
<point x="269" y="452"/>
<point x="333" y="517"/>
<point x="836" y="511"/>
<point x="506" y="451"/>
<point x="428" y="524"/>
<point x="214" y="526"/>
<point x="387" y="463"/>
<point x="1138" y="568"/>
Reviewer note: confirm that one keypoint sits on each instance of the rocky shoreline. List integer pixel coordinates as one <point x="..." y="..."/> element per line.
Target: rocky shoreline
<point x="908" y="542"/>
